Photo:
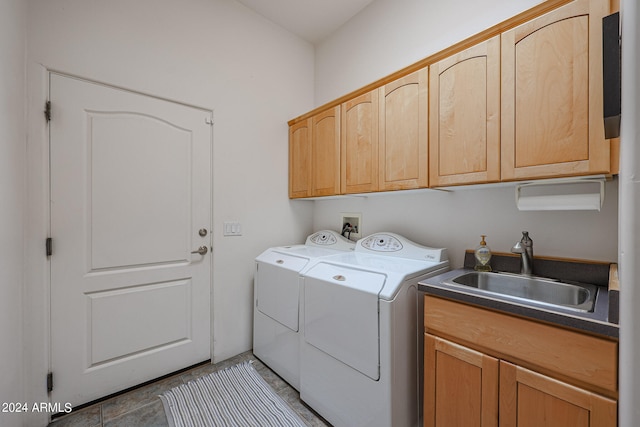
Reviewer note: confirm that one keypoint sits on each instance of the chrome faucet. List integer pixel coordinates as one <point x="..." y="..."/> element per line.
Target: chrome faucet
<point x="525" y="248"/>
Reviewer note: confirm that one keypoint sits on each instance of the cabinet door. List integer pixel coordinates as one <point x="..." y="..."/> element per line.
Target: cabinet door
<point x="529" y="399"/>
<point x="403" y="133"/>
<point x="325" y="157"/>
<point x="460" y="386"/>
<point x="300" y="159"/>
<point x="552" y="117"/>
<point x="464" y="116"/>
<point x="359" y="144"/>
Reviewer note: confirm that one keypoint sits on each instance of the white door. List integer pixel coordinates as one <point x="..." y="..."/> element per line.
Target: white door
<point x="130" y="194"/>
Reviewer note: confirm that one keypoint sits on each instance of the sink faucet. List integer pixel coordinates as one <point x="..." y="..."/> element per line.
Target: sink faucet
<point x="525" y="248"/>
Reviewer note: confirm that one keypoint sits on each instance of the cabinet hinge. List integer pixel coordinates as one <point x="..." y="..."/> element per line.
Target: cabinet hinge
<point x="47" y="111"/>
<point x="49" y="382"/>
<point x="49" y="246"/>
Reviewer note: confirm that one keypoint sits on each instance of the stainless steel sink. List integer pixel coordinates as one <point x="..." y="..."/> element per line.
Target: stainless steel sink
<point x="573" y="296"/>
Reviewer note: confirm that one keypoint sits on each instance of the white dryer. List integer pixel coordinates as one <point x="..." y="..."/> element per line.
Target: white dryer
<point x="277" y="298"/>
<point x="360" y="359"/>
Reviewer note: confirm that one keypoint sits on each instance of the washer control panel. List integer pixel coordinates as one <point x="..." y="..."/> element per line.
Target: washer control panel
<point x="382" y="243"/>
<point x="323" y="238"/>
<point x="395" y="245"/>
<point x="330" y="239"/>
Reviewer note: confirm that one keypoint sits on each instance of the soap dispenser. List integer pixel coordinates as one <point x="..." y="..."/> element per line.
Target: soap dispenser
<point x="483" y="256"/>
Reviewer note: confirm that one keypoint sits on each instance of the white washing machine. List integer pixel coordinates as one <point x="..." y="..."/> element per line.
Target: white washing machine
<point x="277" y="298"/>
<point x="360" y="359"/>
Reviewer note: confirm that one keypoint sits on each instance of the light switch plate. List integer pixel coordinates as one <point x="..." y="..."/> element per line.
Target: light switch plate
<point x="231" y="228"/>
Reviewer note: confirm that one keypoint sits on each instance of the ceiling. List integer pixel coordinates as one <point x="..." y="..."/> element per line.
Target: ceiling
<point x="312" y="20"/>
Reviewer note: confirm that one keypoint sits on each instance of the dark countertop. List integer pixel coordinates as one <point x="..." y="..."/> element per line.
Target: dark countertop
<point x="601" y="321"/>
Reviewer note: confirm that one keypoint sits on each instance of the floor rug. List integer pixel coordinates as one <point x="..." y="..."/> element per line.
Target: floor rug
<point x="236" y="396"/>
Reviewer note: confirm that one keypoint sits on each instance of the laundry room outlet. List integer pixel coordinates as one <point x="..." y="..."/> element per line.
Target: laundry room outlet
<point x="351" y="225"/>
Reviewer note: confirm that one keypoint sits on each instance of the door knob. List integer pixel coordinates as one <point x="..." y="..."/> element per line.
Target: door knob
<point x="202" y="250"/>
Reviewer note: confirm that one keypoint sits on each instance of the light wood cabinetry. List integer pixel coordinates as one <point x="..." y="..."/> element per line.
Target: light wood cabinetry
<point x="552" y="114"/>
<point x="529" y="399"/>
<point x="540" y="374"/>
<point x="521" y="100"/>
<point x="314" y="155"/>
<point x="325" y="156"/>
<point x="403" y="133"/>
<point x="454" y="373"/>
<point x="464" y="116"/>
<point x="300" y="159"/>
<point x="359" y="144"/>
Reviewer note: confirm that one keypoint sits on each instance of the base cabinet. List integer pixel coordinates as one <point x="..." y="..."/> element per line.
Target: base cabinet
<point x="529" y="399"/>
<point x="464" y="387"/>
<point x="487" y="368"/>
<point x="460" y="385"/>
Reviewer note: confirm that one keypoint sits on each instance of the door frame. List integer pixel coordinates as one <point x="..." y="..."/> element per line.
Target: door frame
<point x="36" y="309"/>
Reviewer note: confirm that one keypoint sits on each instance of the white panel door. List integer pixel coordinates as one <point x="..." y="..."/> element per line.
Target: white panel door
<point x="130" y="192"/>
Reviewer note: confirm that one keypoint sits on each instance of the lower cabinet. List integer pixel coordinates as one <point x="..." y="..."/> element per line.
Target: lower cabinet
<point x="481" y="381"/>
<point x="529" y="399"/>
<point x="466" y="388"/>
<point x="460" y="385"/>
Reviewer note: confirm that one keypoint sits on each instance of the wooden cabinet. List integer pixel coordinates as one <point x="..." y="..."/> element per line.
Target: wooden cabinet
<point x="552" y="114"/>
<point x="314" y="155"/>
<point x="374" y="142"/>
<point x="403" y="135"/>
<point x="359" y="144"/>
<point x="524" y="103"/>
<point x="484" y="368"/>
<point x="461" y="385"/>
<point x="529" y="399"/>
<point x="464" y="116"/>
<point x="325" y="155"/>
<point x="300" y="159"/>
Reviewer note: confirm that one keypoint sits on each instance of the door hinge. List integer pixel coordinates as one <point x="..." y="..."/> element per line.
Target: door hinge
<point x="47" y="111"/>
<point x="49" y="246"/>
<point x="49" y="382"/>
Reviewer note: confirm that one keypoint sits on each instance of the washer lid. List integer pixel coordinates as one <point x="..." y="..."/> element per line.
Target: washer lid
<point x="395" y="270"/>
<point x="290" y="260"/>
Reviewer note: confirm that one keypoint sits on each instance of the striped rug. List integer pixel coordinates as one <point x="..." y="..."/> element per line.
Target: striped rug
<point x="236" y="396"/>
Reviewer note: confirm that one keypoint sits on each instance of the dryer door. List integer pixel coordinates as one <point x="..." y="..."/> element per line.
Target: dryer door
<point x="278" y="288"/>
<point x="341" y="315"/>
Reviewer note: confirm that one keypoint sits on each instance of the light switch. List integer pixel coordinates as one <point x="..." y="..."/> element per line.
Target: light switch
<point x="231" y="228"/>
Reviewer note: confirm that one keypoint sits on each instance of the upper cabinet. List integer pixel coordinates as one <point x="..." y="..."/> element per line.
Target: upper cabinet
<point x="300" y="159"/>
<point x="522" y="100"/>
<point x="359" y="144"/>
<point x="552" y="114"/>
<point x="314" y="155"/>
<point x="325" y="153"/>
<point x="403" y="132"/>
<point x="464" y="116"/>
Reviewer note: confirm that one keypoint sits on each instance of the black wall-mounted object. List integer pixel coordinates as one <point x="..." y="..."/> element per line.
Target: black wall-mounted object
<point x="611" y="58"/>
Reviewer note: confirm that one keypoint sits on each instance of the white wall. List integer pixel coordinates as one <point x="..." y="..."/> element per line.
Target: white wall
<point x="455" y="220"/>
<point x="392" y="34"/>
<point x="215" y="54"/>
<point x="12" y="201"/>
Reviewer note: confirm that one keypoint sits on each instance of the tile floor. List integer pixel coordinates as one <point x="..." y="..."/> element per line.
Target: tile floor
<point x="142" y="407"/>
